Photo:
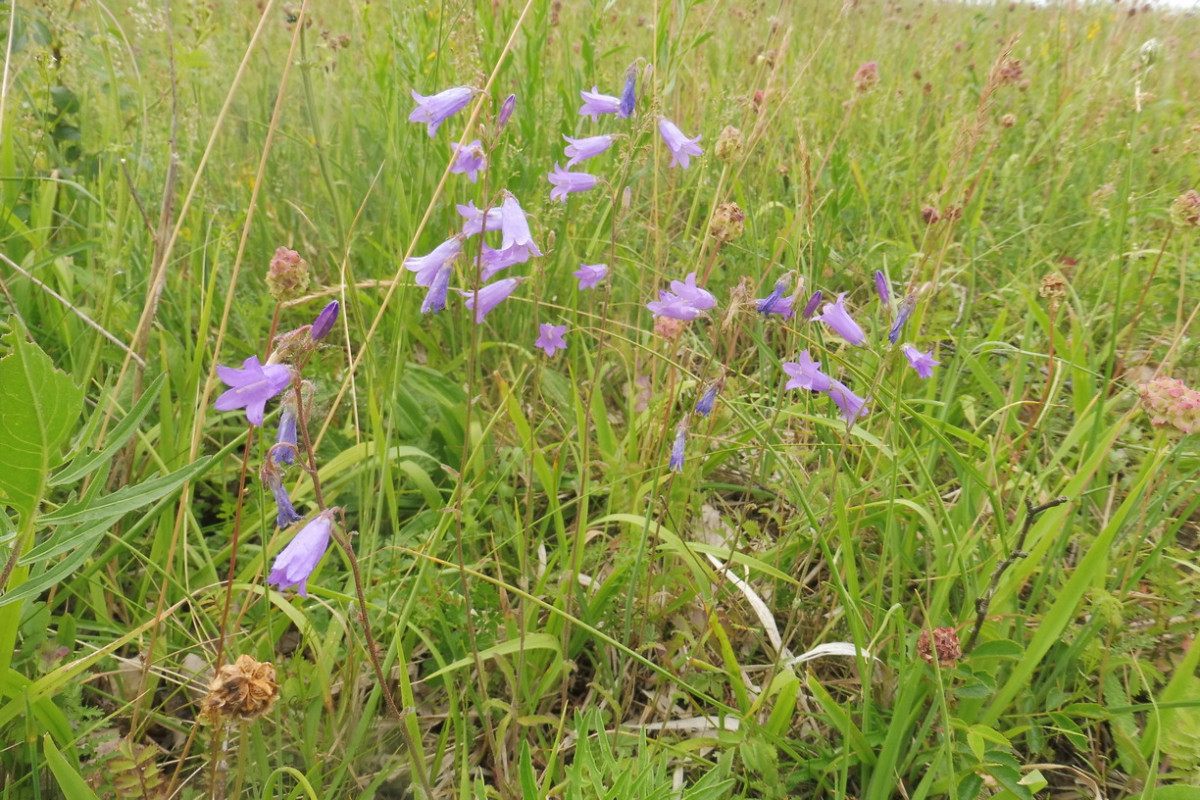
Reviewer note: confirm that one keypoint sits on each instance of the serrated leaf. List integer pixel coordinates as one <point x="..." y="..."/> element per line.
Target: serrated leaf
<point x="39" y="407"/>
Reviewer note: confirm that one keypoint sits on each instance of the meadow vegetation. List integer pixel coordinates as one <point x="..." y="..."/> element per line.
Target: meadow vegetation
<point x="674" y="559"/>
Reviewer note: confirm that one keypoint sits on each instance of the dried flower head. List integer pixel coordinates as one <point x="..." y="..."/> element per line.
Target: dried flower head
<point x="243" y="690"/>
<point x="730" y="144"/>
<point x="1009" y="71"/>
<point x="942" y="645"/>
<point x="1008" y="120"/>
<point x="866" y="77"/>
<point x="1185" y="210"/>
<point x="728" y="222"/>
<point x="669" y="328"/>
<point x="1054" y="287"/>
<point x="1170" y="402"/>
<point x="287" y="275"/>
<point x="930" y="215"/>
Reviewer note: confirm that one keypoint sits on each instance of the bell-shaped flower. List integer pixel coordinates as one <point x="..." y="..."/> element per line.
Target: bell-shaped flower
<point x="578" y="150"/>
<point x="514" y="226"/>
<point x="628" y="93"/>
<point x="550" y="338"/>
<point x="777" y="303"/>
<point x="677" y="447"/>
<point x="477" y="220"/>
<point x="590" y="274"/>
<point x="468" y="160"/>
<point x="682" y="148"/>
<point x="566" y="182"/>
<point x="595" y="104"/>
<point x="490" y="296"/>
<point x="252" y="386"/>
<point x="806" y="374"/>
<point x="851" y="405"/>
<point x="296" y="562"/>
<point x="923" y="363"/>
<point x="437" y="108"/>
<point x="838" y="318"/>
<point x="685" y="301"/>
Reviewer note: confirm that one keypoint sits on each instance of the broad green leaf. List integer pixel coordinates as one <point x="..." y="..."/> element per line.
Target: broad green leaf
<point x="39" y="407"/>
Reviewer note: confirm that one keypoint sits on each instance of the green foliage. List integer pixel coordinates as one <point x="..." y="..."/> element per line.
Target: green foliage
<point x="554" y="611"/>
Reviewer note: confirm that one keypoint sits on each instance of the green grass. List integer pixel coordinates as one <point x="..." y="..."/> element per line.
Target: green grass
<point x="523" y="599"/>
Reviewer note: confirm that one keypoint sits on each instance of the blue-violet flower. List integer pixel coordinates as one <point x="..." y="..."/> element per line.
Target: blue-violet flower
<point x="296" y="562"/>
<point x="550" y="338"/>
<point x="676" y="462"/>
<point x="837" y="317"/>
<point x="685" y="301"/>
<point x="776" y="303"/>
<point x="590" y="274"/>
<point x="324" y="322"/>
<point x="682" y="148"/>
<point x="566" y="182"/>
<point x="436" y="109"/>
<point x="490" y="296"/>
<point x="595" y="104"/>
<point x="806" y="374"/>
<point x="810" y="307"/>
<point x="852" y="406"/>
<point x="578" y="150"/>
<point x="468" y="160"/>
<point x="628" y="93"/>
<point x="506" y="110"/>
<point x="252" y="386"/>
<point x="923" y="363"/>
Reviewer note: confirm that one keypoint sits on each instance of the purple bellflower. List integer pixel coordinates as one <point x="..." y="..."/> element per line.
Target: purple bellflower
<point x="251" y="387"/>
<point x="685" y="301"/>
<point x="676" y="462"/>
<point x="435" y="298"/>
<point x="286" y="442"/>
<point x="852" y="406"/>
<point x="550" y="338"/>
<point x="433" y="271"/>
<point x="882" y="289"/>
<point x="590" y="274"/>
<point x="566" y="182"/>
<point x="708" y="400"/>
<point x="628" y="93"/>
<point x="506" y="110"/>
<point x="806" y="374"/>
<point x="285" y="515"/>
<point x="907" y="306"/>
<point x="492" y="260"/>
<point x="837" y="317"/>
<point x="682" y="148"/>
<point x="776" y="303"/>
<point x="514" y="227"/>
<point x="296" y="562"/>
<point x="923" y="363"/>
<point x="436" y="109"/>
<point x="595" y="104"/>
<point x="810" y="307"/>
<point x="490" y="296"/>
<point x="476" y="220"/>
<point x="578" y="150"/>
<point x="324" y="322"/>
<point x="468" y="160"/>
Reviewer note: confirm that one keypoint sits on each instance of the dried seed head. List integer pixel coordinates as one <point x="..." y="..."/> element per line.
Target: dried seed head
<point x="1008" y="120"/>
<point x="729" y="144"/>
<point x="668" y="328"/>
<point x="287" y="276"/>
<point x="1054" y="287"/>
<point x="728" y="222"/>
<point x="942" y="645"/>
<point x="1185" y="210"/>
<point x="243" y="690"/>
<point x="930" y="215"/>
<point x="866" y="77"/>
